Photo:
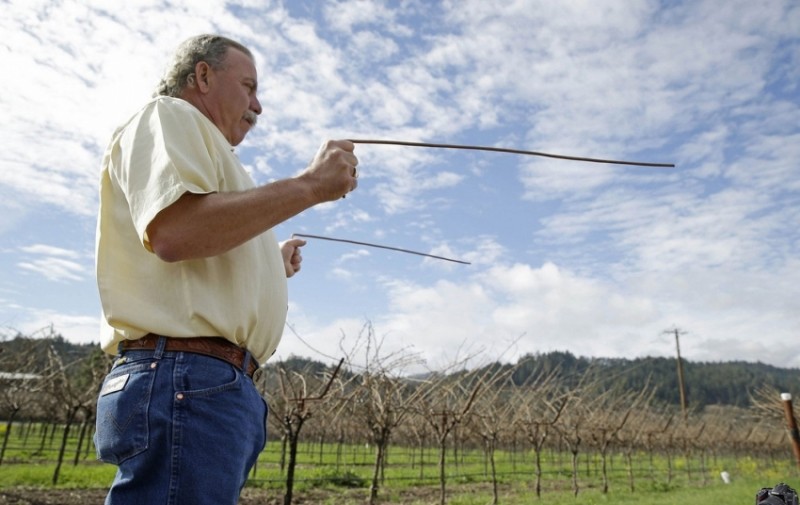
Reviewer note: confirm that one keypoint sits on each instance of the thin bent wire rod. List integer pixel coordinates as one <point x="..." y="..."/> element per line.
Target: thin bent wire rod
<point x="511" y="151"/>
<point x="347" y="241"/>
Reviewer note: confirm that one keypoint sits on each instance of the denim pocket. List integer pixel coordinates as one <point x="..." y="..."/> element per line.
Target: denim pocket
<point x="204" y="376"/>
<point x="122" y="412"/>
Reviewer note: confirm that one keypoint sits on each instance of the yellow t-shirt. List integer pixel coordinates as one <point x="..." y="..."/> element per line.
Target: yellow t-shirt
<point x="168" y="148"/>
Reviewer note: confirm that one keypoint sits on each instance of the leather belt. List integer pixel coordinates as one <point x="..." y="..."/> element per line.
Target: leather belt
<point x="216" y="347"/>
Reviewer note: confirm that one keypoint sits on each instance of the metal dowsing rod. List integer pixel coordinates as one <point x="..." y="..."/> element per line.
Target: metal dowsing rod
<point x="471" y="148"/>
<point x="347" y="241"/>
<point x="510" y="151"/>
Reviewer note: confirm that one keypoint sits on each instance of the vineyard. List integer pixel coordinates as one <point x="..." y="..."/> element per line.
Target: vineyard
<point x="364" y="425"/>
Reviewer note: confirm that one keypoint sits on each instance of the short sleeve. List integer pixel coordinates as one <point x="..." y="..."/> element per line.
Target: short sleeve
<point x="165" y="151"/>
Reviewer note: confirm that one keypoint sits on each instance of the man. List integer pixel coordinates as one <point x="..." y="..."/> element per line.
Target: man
<point x="192" y="281"/>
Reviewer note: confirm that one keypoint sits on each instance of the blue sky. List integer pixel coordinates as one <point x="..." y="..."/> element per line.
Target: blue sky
<point x="598" y="260"/>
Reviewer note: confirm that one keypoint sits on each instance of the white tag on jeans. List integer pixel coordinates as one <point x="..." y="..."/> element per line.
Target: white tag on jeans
<point x="115" y="384"/>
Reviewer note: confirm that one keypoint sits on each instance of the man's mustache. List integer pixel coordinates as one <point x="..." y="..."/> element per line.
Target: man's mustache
<point x="251" y="117"/>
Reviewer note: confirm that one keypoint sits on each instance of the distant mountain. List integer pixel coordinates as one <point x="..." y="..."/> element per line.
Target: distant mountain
<point x="32" y="353"/>
<point x="706" y="383"/>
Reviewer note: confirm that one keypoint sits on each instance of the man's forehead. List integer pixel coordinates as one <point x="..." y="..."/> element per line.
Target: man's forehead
<point x="240" y="58"/>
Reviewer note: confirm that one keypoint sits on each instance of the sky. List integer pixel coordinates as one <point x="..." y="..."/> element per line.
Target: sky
<point x="598" y="260"/>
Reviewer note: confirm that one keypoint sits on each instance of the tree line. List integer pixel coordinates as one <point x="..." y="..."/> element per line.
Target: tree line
<point x="707" y="383"/>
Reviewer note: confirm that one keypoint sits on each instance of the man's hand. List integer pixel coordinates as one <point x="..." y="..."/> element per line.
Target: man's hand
<point x="333" y="171"/>
<point x="290" y="250"/>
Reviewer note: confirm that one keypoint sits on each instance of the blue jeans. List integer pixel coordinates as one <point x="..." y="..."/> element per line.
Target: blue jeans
<point x="182" y="428"/>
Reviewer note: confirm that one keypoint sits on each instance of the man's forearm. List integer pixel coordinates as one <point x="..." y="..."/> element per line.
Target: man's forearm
<point x="205" y="225"/>
<point x="201" y="226"/>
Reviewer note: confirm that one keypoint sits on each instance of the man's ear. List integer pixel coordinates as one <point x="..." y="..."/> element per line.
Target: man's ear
<point x="201" y="71"/>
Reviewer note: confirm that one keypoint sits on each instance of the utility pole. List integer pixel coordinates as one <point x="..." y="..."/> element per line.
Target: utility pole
<point x="681" y="386"/>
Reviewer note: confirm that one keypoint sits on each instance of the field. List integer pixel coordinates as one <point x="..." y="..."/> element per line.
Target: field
<point x="330" y="473"/>
<point x="463" y="437"/>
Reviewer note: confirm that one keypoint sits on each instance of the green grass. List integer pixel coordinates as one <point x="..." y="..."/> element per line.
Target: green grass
<point x="742" y="492"/>
<point x="739" y="492"/>
<point x="345" y="478"/>
<point x="41" y="475"/>
<point x="467" y="483"/>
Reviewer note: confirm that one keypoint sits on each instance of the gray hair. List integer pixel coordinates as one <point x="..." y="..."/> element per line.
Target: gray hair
<point x="211" y="49"/>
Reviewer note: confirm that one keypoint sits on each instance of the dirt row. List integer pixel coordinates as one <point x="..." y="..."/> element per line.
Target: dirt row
<point x="29" y="496"/>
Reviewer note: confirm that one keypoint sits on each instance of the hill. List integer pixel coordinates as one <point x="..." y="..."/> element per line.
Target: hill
<point x="706" y="383"/>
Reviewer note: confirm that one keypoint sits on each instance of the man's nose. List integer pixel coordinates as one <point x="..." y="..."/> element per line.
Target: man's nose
<point x="255" y="105"/>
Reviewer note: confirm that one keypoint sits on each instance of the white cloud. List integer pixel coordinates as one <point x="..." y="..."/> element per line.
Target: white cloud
<point x="50" y="251"/>
<point x="345" y="16"/>
<point x="55" y="263"/>
<point x="55" y="269"/>
<point x="75" y="328"/>
<point x="625" y="252"/>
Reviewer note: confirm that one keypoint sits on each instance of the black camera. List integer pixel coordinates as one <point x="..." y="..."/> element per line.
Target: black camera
<point x="781" y="494"/>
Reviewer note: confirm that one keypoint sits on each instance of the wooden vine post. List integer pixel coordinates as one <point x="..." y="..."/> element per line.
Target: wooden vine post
<point x="791" y="425"/>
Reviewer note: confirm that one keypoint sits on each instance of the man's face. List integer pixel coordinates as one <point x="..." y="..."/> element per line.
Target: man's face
<point x="231" y="98"/>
